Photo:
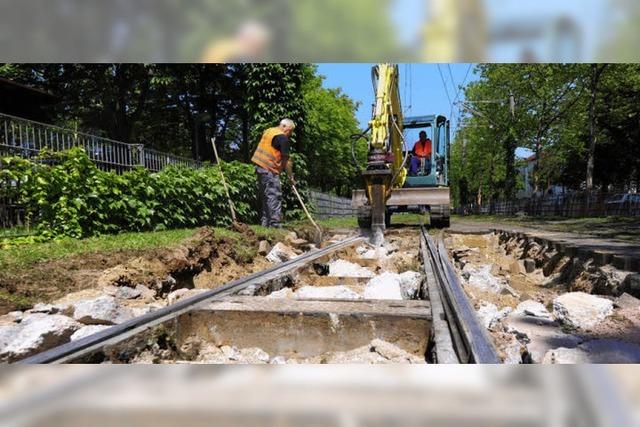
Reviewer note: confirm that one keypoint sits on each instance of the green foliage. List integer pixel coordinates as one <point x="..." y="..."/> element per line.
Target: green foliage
<point x="273" y="93"/>
<point x="330" y="123"/>
<point x="70" y="196"/>
<point x="551" y="118"/>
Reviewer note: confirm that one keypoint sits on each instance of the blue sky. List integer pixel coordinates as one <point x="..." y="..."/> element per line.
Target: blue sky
<point x="421" y="88"/>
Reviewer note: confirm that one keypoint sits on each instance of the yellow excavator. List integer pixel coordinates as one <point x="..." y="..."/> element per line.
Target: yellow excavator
<point x="388" y="186"/>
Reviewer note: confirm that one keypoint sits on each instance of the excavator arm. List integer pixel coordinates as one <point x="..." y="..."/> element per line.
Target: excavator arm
<point x="387" y="152"/>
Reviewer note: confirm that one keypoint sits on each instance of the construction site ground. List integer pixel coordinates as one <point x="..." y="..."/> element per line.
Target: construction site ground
<point x="545" y="295"/>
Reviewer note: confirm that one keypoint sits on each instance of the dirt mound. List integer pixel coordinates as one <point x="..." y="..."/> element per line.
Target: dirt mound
<point x="160" y="269"/>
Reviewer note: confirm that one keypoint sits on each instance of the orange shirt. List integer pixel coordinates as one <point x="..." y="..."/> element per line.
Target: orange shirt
<point x="422" y="150"/>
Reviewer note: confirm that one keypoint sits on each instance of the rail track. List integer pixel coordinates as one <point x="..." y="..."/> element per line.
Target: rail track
<point x="455" y="334"/>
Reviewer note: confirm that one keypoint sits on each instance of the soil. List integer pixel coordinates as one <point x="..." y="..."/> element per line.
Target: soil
<point x="203" y="261"/>
<point x="528" y="286"/>
<point x="623" y="325"/>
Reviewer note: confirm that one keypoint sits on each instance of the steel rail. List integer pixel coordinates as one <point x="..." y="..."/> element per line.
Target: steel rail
<point x="444" y="348"/>
<point x="85" y="346"/>
<point x="471" y="340"/>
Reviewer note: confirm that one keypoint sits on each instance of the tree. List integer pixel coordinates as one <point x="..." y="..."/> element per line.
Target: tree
<point x="330" y="123"/>
<point x="596" y="74"/>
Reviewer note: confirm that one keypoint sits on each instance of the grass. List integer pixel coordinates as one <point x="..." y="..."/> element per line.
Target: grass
<point x="26" y="254"/>
<point x="22" y="252"/>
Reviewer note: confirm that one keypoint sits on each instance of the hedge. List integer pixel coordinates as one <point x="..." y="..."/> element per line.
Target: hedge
<point x="70" y="196"/>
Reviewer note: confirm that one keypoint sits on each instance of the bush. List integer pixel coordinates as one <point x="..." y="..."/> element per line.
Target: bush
<point x="70" y="196"/>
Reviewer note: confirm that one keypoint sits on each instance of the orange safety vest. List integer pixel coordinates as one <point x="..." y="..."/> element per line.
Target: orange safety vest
<point x="423" y="150"/>
<point x="266" y="156"/>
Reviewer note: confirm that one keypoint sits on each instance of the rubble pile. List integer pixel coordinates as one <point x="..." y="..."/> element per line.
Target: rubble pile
<point x="527" y="295"/>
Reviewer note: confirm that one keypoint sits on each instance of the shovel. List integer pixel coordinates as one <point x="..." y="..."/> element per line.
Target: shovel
<point x="317" y="236"/>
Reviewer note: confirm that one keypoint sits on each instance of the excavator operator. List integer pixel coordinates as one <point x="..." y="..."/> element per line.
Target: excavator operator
<point x="421" y="151"/>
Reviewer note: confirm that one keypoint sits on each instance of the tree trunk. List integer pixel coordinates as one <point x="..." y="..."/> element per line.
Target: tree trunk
<point x="509" y="146"/>
<point x="596" y="72"/>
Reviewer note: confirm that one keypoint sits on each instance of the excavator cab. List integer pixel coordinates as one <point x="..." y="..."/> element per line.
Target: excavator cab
<point x="434" y="171"/>
<point x="426" y="191"/>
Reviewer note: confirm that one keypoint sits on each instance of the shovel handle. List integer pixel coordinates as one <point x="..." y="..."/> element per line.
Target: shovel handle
<point x="295" y="191"/>
<point x="224" y="182"/>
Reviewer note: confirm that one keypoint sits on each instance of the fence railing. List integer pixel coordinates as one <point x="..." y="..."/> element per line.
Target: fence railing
<point x="327" y="205"/>
<point x="26" y="138"/>
<point x="561" y="205"/>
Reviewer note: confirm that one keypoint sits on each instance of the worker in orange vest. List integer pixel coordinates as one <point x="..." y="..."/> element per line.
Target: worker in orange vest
<point x="270" y="159"/>
<point x="421" y="150"/>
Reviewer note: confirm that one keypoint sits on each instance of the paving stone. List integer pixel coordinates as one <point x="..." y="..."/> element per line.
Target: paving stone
<point x="631" y="285"/>
<point x="529" y="265"/>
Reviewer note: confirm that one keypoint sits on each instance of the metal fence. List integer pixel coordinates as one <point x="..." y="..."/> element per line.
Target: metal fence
<point x="577" y="204"/>
<point x="26" y="138"/>
<point x="328" y="206"/>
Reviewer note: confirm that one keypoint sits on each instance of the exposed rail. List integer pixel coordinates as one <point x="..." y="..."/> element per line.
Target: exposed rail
<point x="83" y="347"/>
<point x="459" y="337"/>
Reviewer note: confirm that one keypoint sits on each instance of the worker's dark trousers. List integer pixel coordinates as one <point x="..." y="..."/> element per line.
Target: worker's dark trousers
<point x="270" y="197"/>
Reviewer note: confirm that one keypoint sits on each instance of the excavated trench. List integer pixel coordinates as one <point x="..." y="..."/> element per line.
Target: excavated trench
<point x="357" y="305"/>
<point x="544" y="304"/>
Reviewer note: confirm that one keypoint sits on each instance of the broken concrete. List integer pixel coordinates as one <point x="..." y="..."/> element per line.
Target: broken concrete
<point x="596" y="351"/>
<point x="489" y="314"/>
<point x="581" y="310"/>
<point x="125" y="292"/>
<point x="88" y="330"/>
<point x="326" y="292"/>
<point x="627" y="301"/>
<point x="385" y="286"/>
<point x="482" y="278"/>
<point x="281" y="253"/>
<point x="410" y="282"/>
<point x="538" y="335"/>
<point x="533" y="308"/>
<point x="104" y="310"/>
<point x="342" y="268"/>
<point x="263" y="247"/>
<point x="37" y="333"/>
<point x="179" y="294"/>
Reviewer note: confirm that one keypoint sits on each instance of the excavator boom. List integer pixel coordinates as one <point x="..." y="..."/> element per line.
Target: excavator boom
<point x="386" y="171"/>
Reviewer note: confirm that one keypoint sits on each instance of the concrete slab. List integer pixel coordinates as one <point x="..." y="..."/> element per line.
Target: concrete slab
<point x="293" y="328"/>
